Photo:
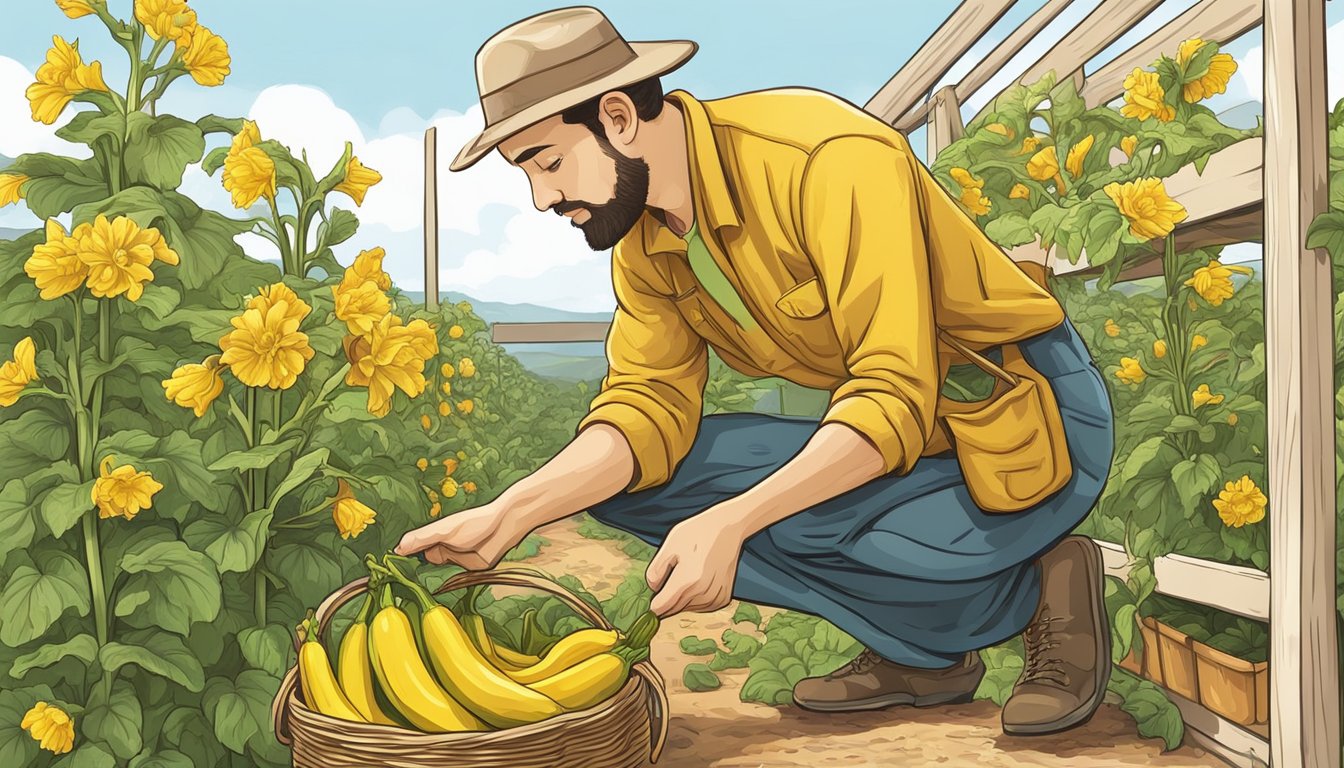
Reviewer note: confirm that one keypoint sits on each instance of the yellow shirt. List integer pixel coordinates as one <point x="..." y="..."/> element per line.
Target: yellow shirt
<point x="844" y="249"/>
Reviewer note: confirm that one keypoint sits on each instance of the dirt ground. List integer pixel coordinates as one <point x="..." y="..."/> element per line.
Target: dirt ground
<point x="715" y="729"/>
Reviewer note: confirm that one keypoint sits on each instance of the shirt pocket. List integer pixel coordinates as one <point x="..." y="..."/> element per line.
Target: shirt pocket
<point x="803" y="301"/>
<point x="690" y="303"/>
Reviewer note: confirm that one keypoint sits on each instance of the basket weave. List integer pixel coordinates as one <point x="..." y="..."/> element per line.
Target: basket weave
<point x="624" y="731"/>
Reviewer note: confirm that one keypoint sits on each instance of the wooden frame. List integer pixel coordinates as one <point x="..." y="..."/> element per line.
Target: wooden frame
<point x="431" y="219"/>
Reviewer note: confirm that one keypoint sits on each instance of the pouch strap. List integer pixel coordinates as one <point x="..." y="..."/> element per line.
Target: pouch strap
<point x="984" y="363"/>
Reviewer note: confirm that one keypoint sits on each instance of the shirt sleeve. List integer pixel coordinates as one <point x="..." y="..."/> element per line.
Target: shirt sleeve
<point x="654" y="388"/>
<point x="863" y="230"/>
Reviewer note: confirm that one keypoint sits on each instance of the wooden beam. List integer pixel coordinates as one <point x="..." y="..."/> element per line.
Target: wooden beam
<point x="1230" y="741"/>
<point x="945" y="124"/>
<point x="993" y="63"/>
<point x="431" y="220"/>
<point x="526" y="333"/>
<point x="1232" y="588"/>
<point x="1218" y="21"/>
<point x="967" y="24"/>
<point x="1299" y="333"/>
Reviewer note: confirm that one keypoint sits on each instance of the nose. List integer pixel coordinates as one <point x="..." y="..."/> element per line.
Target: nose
<point x="545" y="196"/>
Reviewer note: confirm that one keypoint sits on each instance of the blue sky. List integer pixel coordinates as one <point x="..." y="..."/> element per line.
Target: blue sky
<point x="316" y="73"/>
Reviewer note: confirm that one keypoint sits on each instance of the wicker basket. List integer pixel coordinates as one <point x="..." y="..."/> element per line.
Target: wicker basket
<point x="624" y="731"/>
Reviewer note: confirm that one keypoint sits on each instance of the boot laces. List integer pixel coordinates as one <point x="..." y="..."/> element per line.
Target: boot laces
<point x="1040" y="640"/>
<point x="858" y="665"/>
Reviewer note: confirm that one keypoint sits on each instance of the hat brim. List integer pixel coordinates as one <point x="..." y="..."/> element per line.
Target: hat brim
<point x="651" y="60"/>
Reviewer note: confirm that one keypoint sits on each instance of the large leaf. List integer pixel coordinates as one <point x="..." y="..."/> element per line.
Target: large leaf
<point x="33" y="441"/>
<point x="299" y="472"/>
<point x="170" y="758"/>
<point x="16" y="745"/>
<point x="159" y="149"/>
<point x="16" y="517"/>
<point x="241" y="708"/>
<point x="1195" y="478"/>
<point x="58" y="184"/>
<point x="142" y="205"/>
<point x="1010" y="230"/>
<point x="89" y="754"/>
<point x="169" y="586"/>
<point x="256" y="457"/>
<point x="187" y="729"/>
<point x="82" y="647"/>
<point x="155" y="652"/>
<point x="234" y="548"/>
<point x="321" y="572"/>
<point x="64" y="505"/>
<point x="116" y="719"/>
<point x="267" y="648"/>
<point x="40" y="592"/>
<point x="204" y="239"/>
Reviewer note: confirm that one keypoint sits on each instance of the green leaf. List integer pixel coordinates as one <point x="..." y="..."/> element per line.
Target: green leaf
<point x="1154" y="713"/>
<point x="631" y="599"/>
<point x="299" y="472"/>
<point x="340" y="226"/>
<point x="739" y="651"/>
<point x="16" y="745"/>
<point x="169" y="586"/>
<point x="16" y="517"/>
<point x="747" y="612"/>
<point x="187" y="729"/>
<point x="234" y="548"/>
<point x="1195" y="479"/>
<point x="695" y="646"/>
<point x="205" y="241"/>
<point x="116" y="720"/>
<point x="214" y="159"/>
<point x="257" y="457"/>
<point x="142" y="205"/>
<point x="267" y="648"/>
<point x="87" y="755"/>
<point x="82" y="647"/>
<point x="159" y="299"/>
<point x="1140" y="458"/>
<point x="216" y="124"/>
<point x="170" y="758"/>
<point x="1003" y="666"/>
<point x="88" y="127"/>
<point x="58" y="184"/>
<point x="321" y="572"/>
<point x="159" y="149"/>
<point x="33" y="441"/>
<point x="240" y="709"/>
<point x="1010" y="230"/>
<point x="159" y="654"/>
<point x="37" y="595"/>
<point x="64" y="505"/>
<point x="699" y="677"/>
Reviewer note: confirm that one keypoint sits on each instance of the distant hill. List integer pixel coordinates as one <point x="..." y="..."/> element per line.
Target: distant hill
<point x="5" y="161"/>
<point x="1243" y="115"/>
<point x="501" y="312"/>
<point x="13" y="234"/>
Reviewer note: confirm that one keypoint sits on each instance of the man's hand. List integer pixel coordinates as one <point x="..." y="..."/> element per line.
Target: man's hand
<point x="696" y="566"/>
<point x="472" y="538"/>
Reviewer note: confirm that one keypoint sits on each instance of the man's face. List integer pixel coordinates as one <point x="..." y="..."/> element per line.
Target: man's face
<point x="578" y="174"/>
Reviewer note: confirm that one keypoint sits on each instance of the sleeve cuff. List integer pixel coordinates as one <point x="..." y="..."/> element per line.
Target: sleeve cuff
<point x="652" y="457"/>
<point x="885" y="428"/>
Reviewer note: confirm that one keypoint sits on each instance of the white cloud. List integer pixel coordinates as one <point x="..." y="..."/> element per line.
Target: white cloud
<point x="21" y="133"/>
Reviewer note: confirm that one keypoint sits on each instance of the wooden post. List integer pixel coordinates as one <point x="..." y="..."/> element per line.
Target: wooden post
<point x="431" y="220"/>
<point x="945" y="124"/>
<point x="1304" y="674"/>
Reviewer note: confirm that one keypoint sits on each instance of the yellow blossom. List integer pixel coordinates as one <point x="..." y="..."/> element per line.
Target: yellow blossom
<point x="50" y="726"/>
<point x="469" y="487"/>
<point x="248" y="136"/>
<point x="19" y="372"/>
<point x="1232" y="418"/>
<point x="462" y="455"/>
<point x="266" y="349"/>
<point x="1202" y="397"/>
<point x="1029" y="144"/>
<point x="75" y="8"/>
<point x="449" y="466"/>
<point x="422" y="464"/>
<point x="974" y="201"/>
<point x="464" y="307"/>
<point x="1111" y="328"/>
<point x="1221" y="68"/>
<point x="350" y="514"/>
<point x="1044" y="166"/>
<point x="447" y="388"/>
<point x="368" y="267"/>
<point x="165" y="19"/>
<point x="466" y="367"/>
<point x="1144" y="97"/>
<point x="455" y="332"/>
<point x="447" y="369"/>
<point x="1213" y="282"/>
<point x="424" y="422"/>
<point x="431" y="495"/>
<point x="1019" y="192"/>
<point x="358" y="179"/>
<point x="444" y="408"/>
<point x="449" y="488"/>
<point x="249" y="175"/>
<point x="1240" y="502"/>
<point x="964" y="178"/>
<point x="118" y="254"/>
<point x="1159" y="349"/>
<point x="1191" y="304"/>
<point x="1145" y="203"/>
<point x="466" y="406"/>
<point x="60" y="79"/>
<point x="206" y="57"/>
<point x="196" y="385"/>
<point x="391" y="356"/>
<point x="122" y="492"/>
<point x="1128" y="145"/>
<point x="1130" y="371"/>
<point x="278" y="293"/>
<point x="1078" y="154"/>
<point x="360" y="306"/>
<point x="11" y="188"/>
<point x="1000" y="129"/>
<point x="55" y="265"/>
<point x="1199" y="340"/>
<point x="435" y="509"/>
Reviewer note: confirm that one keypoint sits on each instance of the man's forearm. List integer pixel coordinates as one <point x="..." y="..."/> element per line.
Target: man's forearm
<point x="596" y="465"/>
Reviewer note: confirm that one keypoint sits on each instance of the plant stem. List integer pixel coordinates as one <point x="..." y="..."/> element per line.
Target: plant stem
<point x="86" y="438"/>
<point x="286" y="256"/>
<point x="256" y="490"/>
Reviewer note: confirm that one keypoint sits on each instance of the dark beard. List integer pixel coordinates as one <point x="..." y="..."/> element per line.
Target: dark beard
<point x="611" y="221"/>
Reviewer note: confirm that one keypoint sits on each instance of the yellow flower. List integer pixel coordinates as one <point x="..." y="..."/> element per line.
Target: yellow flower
<point x="974" y="201"/>
<point x="431" y="495"/>
<point x="75" y="8"/>
<point x="55" y="265"/>
<point x="51" y="727"/>
<point x="350" y="514"/>
<point x="360" y="305"/>
<point x="466" y="367"/>
<point x="1232" y="418"/>
<point x="1074" y="162"/>
<point x="368" y="267"/>
<point x="449" y="488"/>
<point x="447" y="388"/>
<point x="248" y="136"/>
<point x="424" y="422"/>
<point x="1128" y="145"/>
<point x="964" y="178"/>
<point x="1130" y="371"/>
<point x="466" y="406"/>
<point x="1202" y="397"/>
<point x="249" y="175"/>
<point x="196" y="385"/>
<point x="462" y="455"/>
<point x="1213" y="282"/>
<point x="444" y="408"/>
<point x="60" y="79"/>
<point x="469" y="487"/>
<point x="1144" y="97"/>
<point x="1111" y="328"/>
<point x="455" y="332"/>
<point x="1145" y="203"/>
<point x="1000" y="129"/>
<point x="1221" y="68"/>
<point x="435" y="509"/>
<point x="206" y="57"/>
<point x="266" y="349"/>
<point x="118" y="254"/>
<point x="1044" y="165"/>
<point x="1029" y="144"/>
<point x="391" y="356"/>
<point x="279" y="293"/>
<point x="449" y="466"/>
<point x="464" y="307"/>
<point x="18" y="373"/>
<point x="1019" y="192"/>
<point x="1198" y="341"/>
<point x="422" y="464"/>
<point x="447" y="369"/>
<point x="165" y="19"/>
<point x="1159" y="349"/>
<point x="358" y="179"/>
<point x="1240" y="502"/>
<point x="122" y="492"/>
<point x="11" y="188"/>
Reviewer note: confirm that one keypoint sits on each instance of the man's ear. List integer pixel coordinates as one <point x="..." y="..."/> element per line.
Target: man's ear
<point x="618" y="116"/>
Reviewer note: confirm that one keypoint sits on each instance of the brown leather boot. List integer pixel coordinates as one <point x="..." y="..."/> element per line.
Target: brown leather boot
<point x="1068" y="660"/>
<point x="872" y="682"/>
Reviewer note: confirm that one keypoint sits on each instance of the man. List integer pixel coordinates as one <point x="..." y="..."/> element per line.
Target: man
<point x="799" y="237"/>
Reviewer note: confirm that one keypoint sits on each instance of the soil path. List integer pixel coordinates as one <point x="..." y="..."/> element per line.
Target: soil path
<point x="716" y="729"/>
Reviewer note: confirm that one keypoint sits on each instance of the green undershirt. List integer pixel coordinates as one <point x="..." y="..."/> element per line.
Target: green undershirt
<point x="714" y="281"/>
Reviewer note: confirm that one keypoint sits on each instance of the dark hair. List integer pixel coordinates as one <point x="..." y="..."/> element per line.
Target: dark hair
<point x="647" y="96"/>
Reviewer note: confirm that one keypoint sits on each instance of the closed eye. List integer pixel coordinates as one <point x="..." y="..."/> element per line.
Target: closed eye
<point x="553" y="166"/>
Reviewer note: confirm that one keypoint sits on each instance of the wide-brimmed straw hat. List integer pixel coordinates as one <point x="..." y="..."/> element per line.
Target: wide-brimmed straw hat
<point x="550" y="62"/>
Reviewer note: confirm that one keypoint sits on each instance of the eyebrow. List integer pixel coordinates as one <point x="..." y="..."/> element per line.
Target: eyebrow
<point x="528" y="154"/>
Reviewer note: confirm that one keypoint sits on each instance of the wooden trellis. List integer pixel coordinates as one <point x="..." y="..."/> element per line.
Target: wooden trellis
<point x="1257" y="190"/>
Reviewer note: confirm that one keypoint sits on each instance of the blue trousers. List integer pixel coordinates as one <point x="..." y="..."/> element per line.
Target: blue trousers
<point x="906" y="564"/>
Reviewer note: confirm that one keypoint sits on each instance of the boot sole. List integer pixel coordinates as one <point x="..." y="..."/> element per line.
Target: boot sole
<point x="1102" y="631"/>
<point x="895" y="700"/>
